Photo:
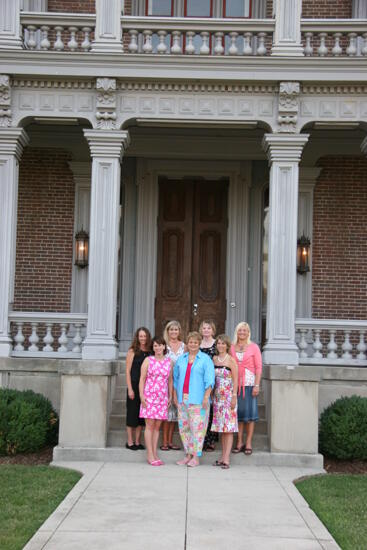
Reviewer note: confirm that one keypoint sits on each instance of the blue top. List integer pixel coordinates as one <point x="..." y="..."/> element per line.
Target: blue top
<point x="202" y="376"/>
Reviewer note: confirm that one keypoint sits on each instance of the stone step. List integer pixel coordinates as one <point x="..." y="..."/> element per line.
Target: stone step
<point x="117" y="454"/>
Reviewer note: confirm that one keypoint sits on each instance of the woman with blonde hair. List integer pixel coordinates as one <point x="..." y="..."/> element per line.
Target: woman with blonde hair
<point x="172" y="335"/>
<point x="248" y="358"/>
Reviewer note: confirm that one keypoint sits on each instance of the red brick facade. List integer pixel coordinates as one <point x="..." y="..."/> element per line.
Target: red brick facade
<point x="44" y="232"/>
<point x="72" y="6"/>
<point x="339" y="270"/>
<point x="324" y="9"/>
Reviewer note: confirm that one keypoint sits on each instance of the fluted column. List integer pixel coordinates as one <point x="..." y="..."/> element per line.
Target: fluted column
<point x="287" y="37"/>
<point x="108" y="35"/>
<point x="10" y="25"/>
<point x="12" y="142"/>
<point x="284" y="154"/>
<point x="107" y="147"/>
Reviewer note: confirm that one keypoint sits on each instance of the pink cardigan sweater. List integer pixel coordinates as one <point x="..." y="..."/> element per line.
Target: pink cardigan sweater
<point x="251" y="360"/>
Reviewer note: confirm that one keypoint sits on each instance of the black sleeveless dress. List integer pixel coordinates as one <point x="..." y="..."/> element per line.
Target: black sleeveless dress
<point x="211" y="437"/>
<point x="133" y="405"/>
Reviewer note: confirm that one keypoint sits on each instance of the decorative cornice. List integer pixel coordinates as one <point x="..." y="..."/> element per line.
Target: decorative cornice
<point x="5" y="101"/>
<point x="284" y="147"/>
<point x="197" y="87"/>
<point x="106" y="103"/>
<point x="288" y="106"/>
<point x="50" y="83"/>
<point x="316" y="89"/>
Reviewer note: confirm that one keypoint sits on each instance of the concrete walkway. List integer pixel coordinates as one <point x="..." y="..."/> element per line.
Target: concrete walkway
<point x="136" y="506"/>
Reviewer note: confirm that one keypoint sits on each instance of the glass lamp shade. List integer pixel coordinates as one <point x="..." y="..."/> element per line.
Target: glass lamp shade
<point x="303" y="255"/>
<point x="81" y="248"/>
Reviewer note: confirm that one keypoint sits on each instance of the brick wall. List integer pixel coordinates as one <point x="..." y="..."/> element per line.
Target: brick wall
<point x="323" y="9"/>
<point x="44" y="232"/>
<point x="269" y="8"/>
<point x="72" y="6"/>
<point x="127" y="7"/>
<point x="339" y="252"/>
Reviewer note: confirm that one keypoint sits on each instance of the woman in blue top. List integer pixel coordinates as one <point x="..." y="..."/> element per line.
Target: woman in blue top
<point x="193" y="381"/>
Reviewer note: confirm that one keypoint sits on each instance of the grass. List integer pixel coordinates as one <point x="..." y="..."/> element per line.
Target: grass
<point x="28" y="495"/>
<point x="340" y="501"/>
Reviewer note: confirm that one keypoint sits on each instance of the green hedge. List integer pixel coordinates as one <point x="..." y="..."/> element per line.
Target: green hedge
<point x="27" y="422"/>
<point x="343" y="429"/>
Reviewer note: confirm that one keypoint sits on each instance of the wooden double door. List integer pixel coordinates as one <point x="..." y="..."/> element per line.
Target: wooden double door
<point x="191" y="267"/>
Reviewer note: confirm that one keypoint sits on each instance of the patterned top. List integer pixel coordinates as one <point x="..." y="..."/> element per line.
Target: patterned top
<point x="175" y="355"/>
<point x="211" y="351"/>
<point x="156" y="389"/>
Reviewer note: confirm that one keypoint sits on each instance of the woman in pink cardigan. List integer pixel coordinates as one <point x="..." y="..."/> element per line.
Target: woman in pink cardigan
<point x="248" y="357"/>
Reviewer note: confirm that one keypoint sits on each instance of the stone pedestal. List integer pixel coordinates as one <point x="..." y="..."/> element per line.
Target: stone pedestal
<point x="287" y="36"/>
<point x="108" y="35"/>
<point x="10" y="25"/>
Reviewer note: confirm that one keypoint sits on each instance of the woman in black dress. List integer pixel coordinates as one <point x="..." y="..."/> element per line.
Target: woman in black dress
<point x="139" y="350"/>
<point x="207" y="331"/>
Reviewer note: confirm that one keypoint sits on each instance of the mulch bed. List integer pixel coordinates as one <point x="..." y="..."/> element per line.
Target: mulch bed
<point x="30" y="459"/>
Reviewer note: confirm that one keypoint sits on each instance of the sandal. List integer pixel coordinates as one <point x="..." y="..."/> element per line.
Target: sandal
<point x="218" y="463"/>
<point x="174" y="447"/>
<point x="164" y="447"/>
<point x="237" y="450"/>
<point x="247" y="451"/>
<point x="225" y="466"/>
<point x="209" y="449"/>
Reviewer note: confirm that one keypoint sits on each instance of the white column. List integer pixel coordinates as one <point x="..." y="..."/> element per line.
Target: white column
<point x="106" y="149"/>
<point x="359" y="9"/>
<point x="284" y="153"/>
<point x="287" y="37"/>
<point x="108" y="36"/>
<point x="12" y="142"/>
<point x="10" y="25"/>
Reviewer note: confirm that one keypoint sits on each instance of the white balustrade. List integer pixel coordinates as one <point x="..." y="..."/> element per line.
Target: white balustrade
<point x="57" y="31"/>
<point x="334" y="37"/>
<point x="332" y="342"/>
<point x="42" y="329"/>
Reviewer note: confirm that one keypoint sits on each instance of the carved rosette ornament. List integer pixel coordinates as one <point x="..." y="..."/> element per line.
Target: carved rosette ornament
<point x="106" y="103"/>
<point x="288" y="106"/>
<point x="5" y="102"/>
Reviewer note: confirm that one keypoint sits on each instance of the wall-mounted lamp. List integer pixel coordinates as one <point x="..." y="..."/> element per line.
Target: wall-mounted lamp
<point x="81" y="248"/>
<point x="303" y="254"/>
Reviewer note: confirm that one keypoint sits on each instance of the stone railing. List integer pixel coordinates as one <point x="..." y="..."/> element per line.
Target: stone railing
<point x="194" y="36"/>
<point x="58" y="335"/>
<point x="57" y="31"/>
<point x="331" y="342"/>
<point x="334" y="37"/>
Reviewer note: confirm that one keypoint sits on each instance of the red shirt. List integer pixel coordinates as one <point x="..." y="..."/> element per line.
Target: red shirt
<point x="187" y="378"/>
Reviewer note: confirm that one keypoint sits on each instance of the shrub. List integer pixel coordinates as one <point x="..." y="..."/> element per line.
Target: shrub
<point x="27" y="422"/>
<point x="343" y="429"/>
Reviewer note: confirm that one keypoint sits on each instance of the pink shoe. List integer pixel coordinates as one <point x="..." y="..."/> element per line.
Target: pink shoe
<point x="155" y="462"/>
<point x="161" y="463"/>
<point x="183" y="461"/>
<point x="193" y="462"/>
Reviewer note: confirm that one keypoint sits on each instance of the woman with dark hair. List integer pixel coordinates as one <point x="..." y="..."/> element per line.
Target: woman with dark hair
<point x="155" y="390"/>
<point x="140" y="349"/>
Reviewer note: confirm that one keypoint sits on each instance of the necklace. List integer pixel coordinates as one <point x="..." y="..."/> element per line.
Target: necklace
<point x="222" y="360"/>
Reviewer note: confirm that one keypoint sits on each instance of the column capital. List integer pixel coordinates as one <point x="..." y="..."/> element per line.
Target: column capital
<point x="284" y="147"/>
<point x="13" y="141"/>
<point x="364" y="146"/>
<point x="107" y="143"/>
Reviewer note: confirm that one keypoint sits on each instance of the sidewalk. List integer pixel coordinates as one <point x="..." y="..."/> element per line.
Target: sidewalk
<point x="136" y="506"/>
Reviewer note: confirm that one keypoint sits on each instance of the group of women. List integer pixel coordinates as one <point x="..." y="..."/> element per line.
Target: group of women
<point x="209" y="385"/>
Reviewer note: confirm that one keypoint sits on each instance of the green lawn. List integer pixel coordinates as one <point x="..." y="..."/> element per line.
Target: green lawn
<point x="28" y="495"/>
<point x="340" y="501"/>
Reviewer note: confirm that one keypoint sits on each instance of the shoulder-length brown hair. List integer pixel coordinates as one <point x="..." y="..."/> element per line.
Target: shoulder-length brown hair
<point x="135" y="345"/>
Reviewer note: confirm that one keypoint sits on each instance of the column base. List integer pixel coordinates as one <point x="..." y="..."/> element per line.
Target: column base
<point x="280" y="354"/>
<point x="6" y="347"/>
<point x="8" y="43"/>
<point x="98" y="349"/>
<point x="107" y="46"/>
<point x="288" y="50"/>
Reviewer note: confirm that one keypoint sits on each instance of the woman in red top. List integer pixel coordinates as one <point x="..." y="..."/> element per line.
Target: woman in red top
<point x="248" y="357"/>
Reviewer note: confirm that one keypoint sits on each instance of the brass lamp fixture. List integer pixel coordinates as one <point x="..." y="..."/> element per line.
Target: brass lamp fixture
<point x="303" y="254"/>
<point x="81" y="248"/>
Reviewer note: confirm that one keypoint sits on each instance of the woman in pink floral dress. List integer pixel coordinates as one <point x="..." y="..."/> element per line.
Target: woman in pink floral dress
<point x="225" y="398"/>
<point x="155" y="390"/>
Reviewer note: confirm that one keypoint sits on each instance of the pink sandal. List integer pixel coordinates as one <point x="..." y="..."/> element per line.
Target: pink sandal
<point x="155" y="462"/>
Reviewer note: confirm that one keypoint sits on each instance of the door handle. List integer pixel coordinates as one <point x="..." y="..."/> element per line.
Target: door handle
<point x="195" y="310"/>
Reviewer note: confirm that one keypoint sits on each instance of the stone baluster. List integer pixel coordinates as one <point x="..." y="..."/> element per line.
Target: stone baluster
<point x="31" y="41"/>
<point x="133" y="45"/>
<point x="308" y="49"/>
<point x="73" y="44"/>
<point x="352" y="47"/>
<point x="176" y="43"/>
<point x="287" y="35"/>
<point x="346" y="345"/>
<point x="63" y="339"/>
<point x="361" y="346"/>
<point x="317" y="344"/>
<point x="162" y="46"/>
<point x="19" y="337"/>
<point x="48" y="339"/>
<point x="322" y="49"/>
<point x="33" y="339"/>
<point x="59" y="44"/>
<point x="108" y="33"/>
<point x="218" y="47"/>
<point x="10" y="28"/>
<point x="303" y="343"/>
<point x="337" y="49"/>
<point x="205" y="49"/>
<point x="189" y="47"/>
<point x="147" y="46"/>
<point x="233" y="50"/>
<point x="332" y="345"/>
<point x="77" y="340"/>
<point x="247" y="43"/>
<point x="261" y="48"/>
<point x="45" y="43"/>
<point x="12" y="142"/>
<point x="86" y="44"/>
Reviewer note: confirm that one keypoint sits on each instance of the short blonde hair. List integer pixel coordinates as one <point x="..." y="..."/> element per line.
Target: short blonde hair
<point x="194" y="336"/>
<point x="243" y="324"/>
<point x="168" y="326"/>
<point x="224" y="338"/>
<point x="210" y="323"/>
